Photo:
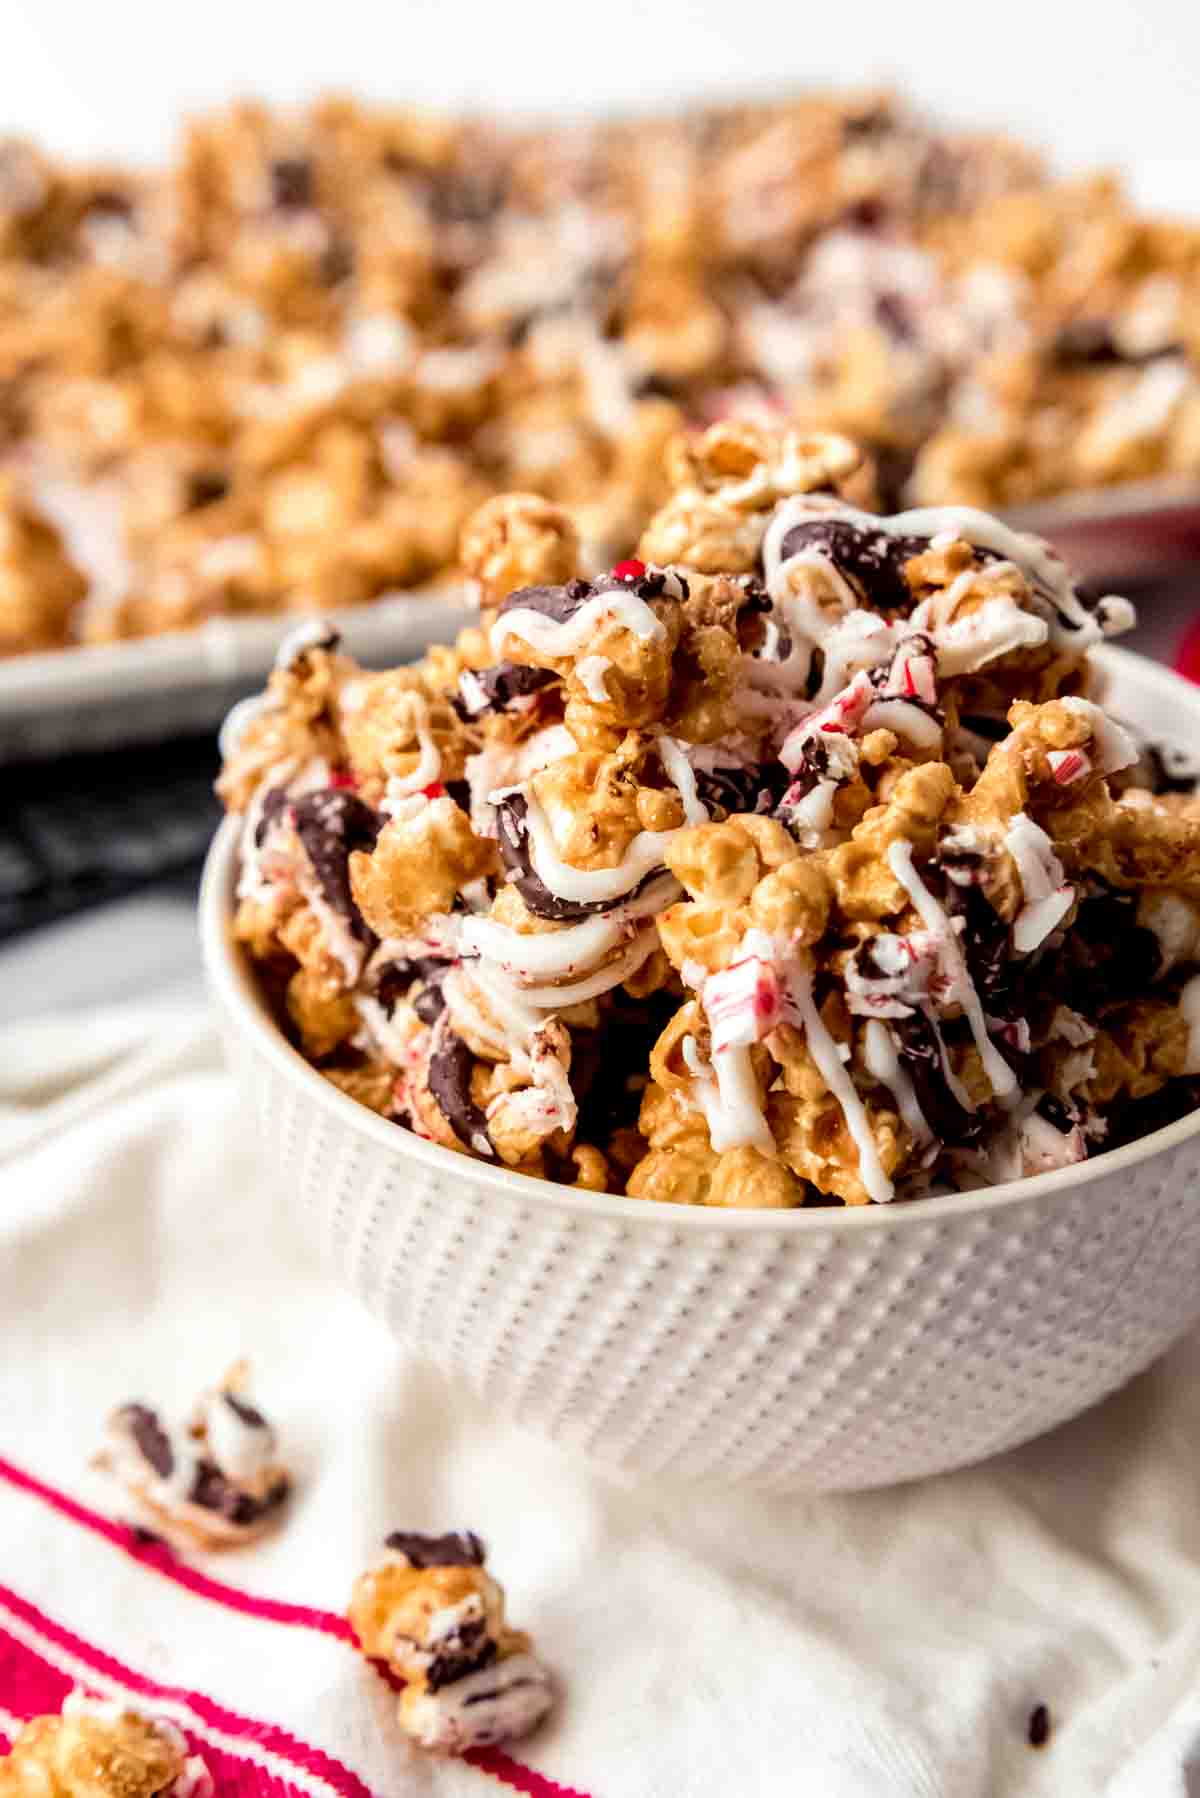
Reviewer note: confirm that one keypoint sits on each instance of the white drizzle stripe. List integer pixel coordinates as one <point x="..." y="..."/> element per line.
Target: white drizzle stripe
<point x="643" y="855"/>
<point x="726" y="1091"/>
<point x="573" y="947"/>
<point x="1047" y="896"/>
<point x="882" y="1060"/>
<point x="1115" y="748"/>
<point x="588" y="885"/>
<point x="679" y="771"/>
<point x="590" y="671"/>
<point x="566" y="637"/>
<point x="242" y="1748"/>
<point x="934" y="918"/>
<point x="824" y="1052"/>
<point x="905" y="719"/>
<point x="429" y="761"/>
<point x="602" y="981"/>
<point x="509" y="1031"/>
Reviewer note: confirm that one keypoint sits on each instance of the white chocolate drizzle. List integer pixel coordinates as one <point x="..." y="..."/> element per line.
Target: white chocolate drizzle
<point x="727" y="1093"/>
<point x="572" y="948"/>
<point x="429" y="760"/>
<point x="566" y="637"/>
<point x="882" y="1062"/>
<point x="590" y="671"/>
<point x="1048" y="898"/>
<point x="824" y="1051"/>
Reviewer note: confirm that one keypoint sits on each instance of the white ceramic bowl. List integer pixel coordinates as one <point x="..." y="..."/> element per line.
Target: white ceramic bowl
<point x="819" y="1349"/>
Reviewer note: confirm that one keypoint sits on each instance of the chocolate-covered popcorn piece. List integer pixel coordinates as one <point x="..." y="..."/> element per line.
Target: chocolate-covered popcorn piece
<point x="101" y="1748"/>
<point x="214" y="1482"/>
<point x="436" y="1618"/>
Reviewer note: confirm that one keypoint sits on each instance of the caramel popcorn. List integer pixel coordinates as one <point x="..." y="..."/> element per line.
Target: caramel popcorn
<point x="874" y="898"/>
<point x="281" y="372"/>
<point x="100" y="1748"/>
<point x="436" y="1619"/>
<point x="39" y="584"/>
<point x="214" y="1482"/>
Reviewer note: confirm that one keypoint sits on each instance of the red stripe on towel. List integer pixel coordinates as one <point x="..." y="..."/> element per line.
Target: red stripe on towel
<point x="33" y="1686"/>
<point x="160" y="1558"/>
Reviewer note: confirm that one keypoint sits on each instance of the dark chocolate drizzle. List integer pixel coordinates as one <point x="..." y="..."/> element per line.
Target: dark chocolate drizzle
<point x="273" y="806"/>
<point x="873" y="559"/>
<point x="562" y="603"/>
<point x="153" y="1443"/>
<point x="426" y="973"/>
<point x="332" y="824"/>
<point x="608" y="1086"/>
<point x="1162" y="778"/>
<point x="212" y="1490"/>
<point x="450" y="1068"/>
<point x="291" y="183"/>
<point x="1139" y="1117"/>
<point x="1107" y="958"/>
<point x="466" y="1650"/>
<point x="1057" y="1114"/>
<point x="513" y="841"/>
<point x="503" y="686"/>
<point x="917" y="1048"/>
<point x="250" y="1415"/>
<point x="558" y="603"/>
<point x="1091" y="343"/>
<point x="757" y="789"/>
<point x="457" y="1548"/>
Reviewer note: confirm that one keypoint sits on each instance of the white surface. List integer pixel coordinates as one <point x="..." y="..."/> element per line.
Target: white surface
<point x="1118" y="85"/>
<point x="822" y="1350"/>
<point x="886" y="1645"/>
<point x="144" y="949"/>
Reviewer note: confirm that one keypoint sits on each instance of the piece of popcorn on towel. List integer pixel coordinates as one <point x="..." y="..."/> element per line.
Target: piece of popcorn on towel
<point x="101" y="1748"/>
<point x="213" y="1482"/>
<point x="435" y="1618"/>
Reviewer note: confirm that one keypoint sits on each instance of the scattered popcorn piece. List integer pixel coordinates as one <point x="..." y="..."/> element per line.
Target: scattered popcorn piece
<point x="436" y="1619"/>
<point x="215" y="1482"/>
<point x="100" y="1748"/>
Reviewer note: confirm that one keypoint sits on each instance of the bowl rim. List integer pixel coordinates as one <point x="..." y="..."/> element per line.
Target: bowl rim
<point x="231" y="980"/>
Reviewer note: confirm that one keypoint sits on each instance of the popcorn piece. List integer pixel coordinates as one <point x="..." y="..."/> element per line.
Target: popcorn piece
<point x="518" y="540"/>
<point x="436" y="1618"/>
<point x="214" y="1483"/>
<point x="100" y="1748"/>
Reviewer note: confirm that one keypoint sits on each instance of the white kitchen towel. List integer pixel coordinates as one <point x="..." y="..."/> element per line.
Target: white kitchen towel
<point x="881" y="1645"/>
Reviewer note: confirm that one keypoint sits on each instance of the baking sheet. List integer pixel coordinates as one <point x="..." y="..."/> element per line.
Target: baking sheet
<point x="109" y="696"/>
<point x="112" y="695"/>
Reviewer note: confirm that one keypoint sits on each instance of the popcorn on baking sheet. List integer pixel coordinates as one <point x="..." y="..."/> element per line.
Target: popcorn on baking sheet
<point x="215" y="1481"/>
<point x="279" y="373"/>
<point x="101" y="1748"/>
<point x="812" y="809"/>
<point x="433" y="1615"/>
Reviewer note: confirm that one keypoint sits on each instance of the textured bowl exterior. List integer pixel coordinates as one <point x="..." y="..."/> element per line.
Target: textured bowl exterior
<point x="818" y="1350"/>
